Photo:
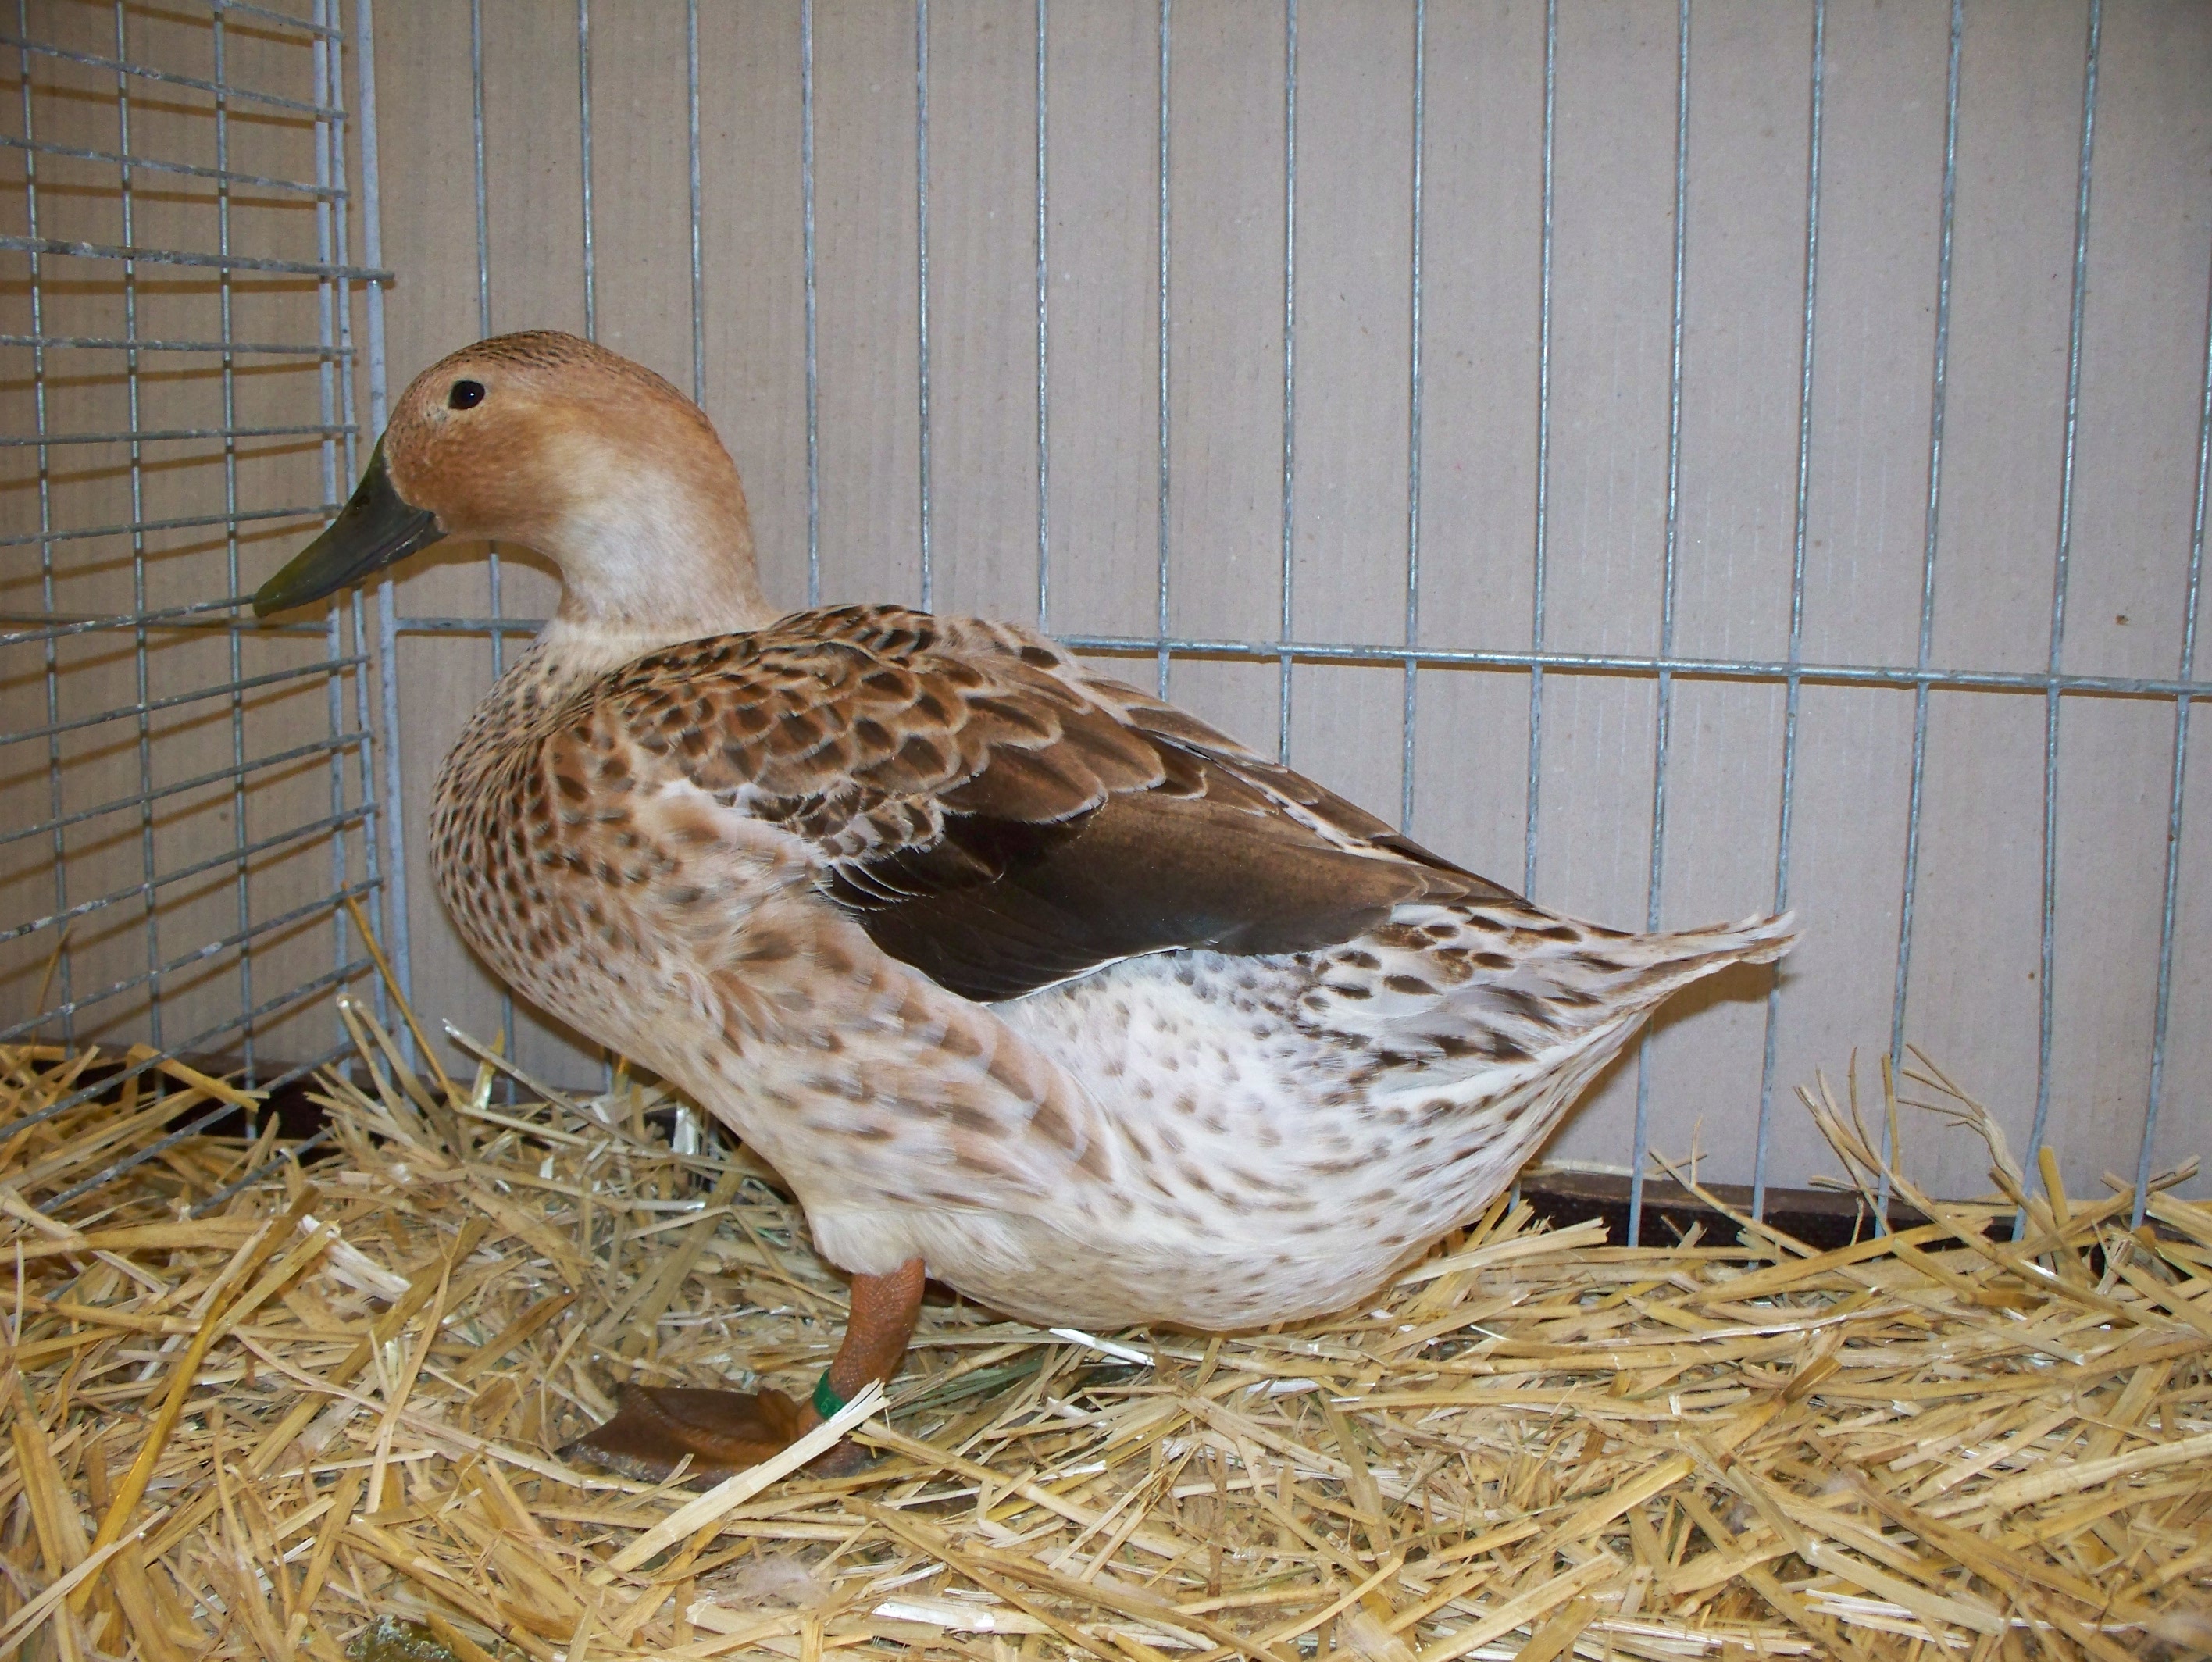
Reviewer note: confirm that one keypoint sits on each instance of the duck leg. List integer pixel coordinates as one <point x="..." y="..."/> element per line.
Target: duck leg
<point x="724" y="1432"/>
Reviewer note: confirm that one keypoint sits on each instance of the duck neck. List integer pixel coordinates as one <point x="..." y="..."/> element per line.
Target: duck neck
<point x="652" y="555"/>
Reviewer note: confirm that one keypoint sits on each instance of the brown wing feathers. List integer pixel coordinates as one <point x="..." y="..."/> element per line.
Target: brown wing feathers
<point x="995" y="828"/>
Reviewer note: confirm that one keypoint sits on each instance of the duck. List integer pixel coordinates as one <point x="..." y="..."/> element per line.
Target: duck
<point x="1022" y="979"/>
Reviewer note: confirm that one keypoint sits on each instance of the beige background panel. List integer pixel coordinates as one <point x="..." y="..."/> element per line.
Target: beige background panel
<point x="1482" y="232"/>
<point x="2141" y="389"/>
<point x="2181" y="1131"/>
<point x="1743" y="328"/>
<point x="1102" y="94"/>
<point x="1882" y="185"/>
<point x="752" y="238"/>
<point x="867" y="298"/>
<point x="983" y="323"/>
<point x="1975" y="996"/>
<point x="2020" y="120"/>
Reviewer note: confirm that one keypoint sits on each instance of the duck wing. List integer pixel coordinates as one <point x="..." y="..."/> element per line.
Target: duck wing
<point x="998" y="818"/>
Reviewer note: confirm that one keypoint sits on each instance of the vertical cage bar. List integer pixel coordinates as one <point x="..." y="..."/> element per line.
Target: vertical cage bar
<point x="1044" y="338"/>
<point x="1664" y="714"/>
<point x="493" y="577"/>
<point x="685" y="1135"/>
<point x="397" y="943"/>
<point x="1796" y="685"/>
<point x="329" y="151"/>
<point x="2178" y="797"/>
<point x="691" y="136"/>
<point x="1166" y="532"/>
<point x="2046" y="1009"/>
<point x="921" y="281"/>
<point x="1413" y="425"/>
<point x="355" y="605"/>
<point x="1542" y="547"/>
<point x="1289" y="371"/>
<point x="1932" y="521"/>
<point x="141" y="664"/>
<point x="591" y="278"/>
<point x="476" y="132"/>
<point x="366" y="758"/>
<point x="584" y="142"/>
<point x="813" y="373"/>
<point x="494" y="574"/>
<point x="241" y="882"/>
<point x="342" y="414"/>
<point x="52" y="664"/>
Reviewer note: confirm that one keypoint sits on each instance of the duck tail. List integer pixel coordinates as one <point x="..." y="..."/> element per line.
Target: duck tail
<point x="1681" y="956"/>
<point x="1753" y="940"/>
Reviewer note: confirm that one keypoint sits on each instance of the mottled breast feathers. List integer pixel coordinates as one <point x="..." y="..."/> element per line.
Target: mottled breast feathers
<point x="988" y="811"/>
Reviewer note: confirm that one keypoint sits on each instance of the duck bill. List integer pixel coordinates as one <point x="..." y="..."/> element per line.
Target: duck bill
<point x="377" y="526"/>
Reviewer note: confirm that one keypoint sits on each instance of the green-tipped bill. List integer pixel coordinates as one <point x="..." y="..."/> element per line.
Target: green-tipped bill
<point x="373" y="529"/>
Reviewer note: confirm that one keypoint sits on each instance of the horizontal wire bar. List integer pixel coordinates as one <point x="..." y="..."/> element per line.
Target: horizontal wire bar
<point x="1724" y="669"/>
<point x="318" y="748"/>
<point x="306" y="26"/>
<point x="153" y="435"/>
<point x="261" y="627"/>
<point x="190" y="257"/>
<point x="229" y="857"/>
<point x="292" y="1153"/>
<point x="140" y="1156"/>
<point x="214" y="948"/>
<point x="194" y="614"/>
<point x="1711" y="667"/>
<point x="162" y="165"/>
<point x="170" y="78"/>
<point x="196" y="522"/>
<point x="198" y="1042"/>
<point x="449" y="623"/>
<point x="109" y="344"/>
<point x="320" y="666"/>
<point x="54" y="628"/>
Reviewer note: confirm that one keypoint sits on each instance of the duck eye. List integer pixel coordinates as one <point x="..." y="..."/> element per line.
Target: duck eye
<point x="465" y="395"/>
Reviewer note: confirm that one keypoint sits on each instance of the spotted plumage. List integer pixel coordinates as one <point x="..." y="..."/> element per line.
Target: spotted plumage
<point x="1002" y="963"/>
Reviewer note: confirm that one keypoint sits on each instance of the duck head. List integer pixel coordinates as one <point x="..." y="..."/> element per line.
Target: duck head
<point x="550" y="441"/>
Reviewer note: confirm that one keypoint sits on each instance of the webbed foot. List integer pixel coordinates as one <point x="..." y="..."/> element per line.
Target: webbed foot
<point x="656" y="1427"/>
<point x="723" y="1431"/>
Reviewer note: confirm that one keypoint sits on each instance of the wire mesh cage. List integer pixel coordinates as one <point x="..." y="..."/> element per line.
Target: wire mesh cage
<point x="191" y="804"/>
<point x="1681" y="459"/>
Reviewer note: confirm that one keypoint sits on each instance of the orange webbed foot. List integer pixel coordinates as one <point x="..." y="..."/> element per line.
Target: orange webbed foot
<point x="656" y="1426"/>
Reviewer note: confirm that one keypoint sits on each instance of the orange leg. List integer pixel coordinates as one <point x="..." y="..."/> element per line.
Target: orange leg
<point x="726" y="1431"/>
<point x="876" y="1333"/>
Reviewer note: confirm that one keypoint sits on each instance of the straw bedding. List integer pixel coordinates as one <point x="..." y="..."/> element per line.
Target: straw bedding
<point x="320" y="1416"/>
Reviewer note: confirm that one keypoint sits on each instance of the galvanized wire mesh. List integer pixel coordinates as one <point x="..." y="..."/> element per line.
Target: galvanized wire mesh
<point x="189" y="794"/>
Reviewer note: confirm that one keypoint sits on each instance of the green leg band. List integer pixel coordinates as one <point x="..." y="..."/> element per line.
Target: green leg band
<point x="827" y="1402"/>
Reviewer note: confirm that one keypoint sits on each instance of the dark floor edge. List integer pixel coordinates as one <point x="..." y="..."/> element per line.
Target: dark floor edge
<point x="1821" y="1218"/>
